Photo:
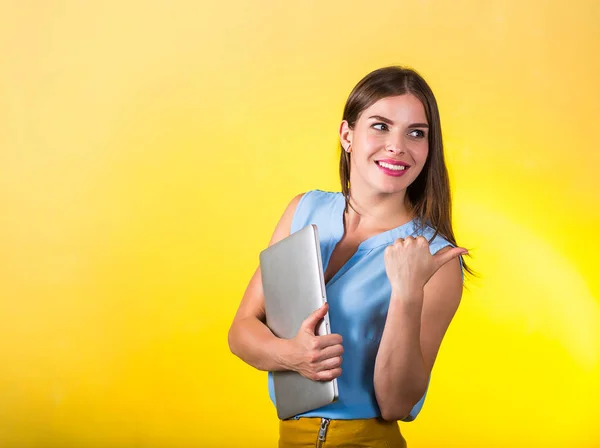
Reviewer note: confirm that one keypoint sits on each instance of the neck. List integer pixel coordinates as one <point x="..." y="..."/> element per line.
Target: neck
<point x="377" y="210"/>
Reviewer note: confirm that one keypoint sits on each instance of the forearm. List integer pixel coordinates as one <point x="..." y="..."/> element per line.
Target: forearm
<point x="253" y="342"/>
<point x="401" y="375"/>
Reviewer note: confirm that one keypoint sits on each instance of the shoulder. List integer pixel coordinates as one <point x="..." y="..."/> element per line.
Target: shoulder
<point x="284" y="226"/>
<point x="319" y="197"/>
<point x="314" y="207"/>
<point x="437" y="242"/>
<point x="311" y="197"/>
<point x="301" y="205"/>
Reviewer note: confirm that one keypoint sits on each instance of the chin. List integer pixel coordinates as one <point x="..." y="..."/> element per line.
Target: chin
<point x="392" y="189"/>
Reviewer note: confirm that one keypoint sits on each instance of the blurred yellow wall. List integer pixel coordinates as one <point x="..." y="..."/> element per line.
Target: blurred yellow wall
<point x="147" y="150"/>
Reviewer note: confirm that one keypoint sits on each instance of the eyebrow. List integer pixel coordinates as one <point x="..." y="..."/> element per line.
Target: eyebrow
<point x="388" y="121"/>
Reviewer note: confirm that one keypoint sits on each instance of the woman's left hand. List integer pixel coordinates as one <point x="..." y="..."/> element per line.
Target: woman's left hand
<point x="409" y="264"/>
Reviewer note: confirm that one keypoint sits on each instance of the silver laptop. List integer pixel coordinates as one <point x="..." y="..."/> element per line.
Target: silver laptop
<point x="294" y="287"/>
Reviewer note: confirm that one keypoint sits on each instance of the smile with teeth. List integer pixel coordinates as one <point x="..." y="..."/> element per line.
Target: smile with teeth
<point x="389" y="166"/>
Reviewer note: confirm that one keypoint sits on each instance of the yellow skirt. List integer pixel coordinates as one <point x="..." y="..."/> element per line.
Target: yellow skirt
<point x="324" y="433"/>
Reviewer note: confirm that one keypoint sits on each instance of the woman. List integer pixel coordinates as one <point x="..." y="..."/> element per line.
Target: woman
<point x="393" y="271"/>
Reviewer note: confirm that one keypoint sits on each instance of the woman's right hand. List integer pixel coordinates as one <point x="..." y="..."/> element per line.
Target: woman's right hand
<point x="317" y="358"/>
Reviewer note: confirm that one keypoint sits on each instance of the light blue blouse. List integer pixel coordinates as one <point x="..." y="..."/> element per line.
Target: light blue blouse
<point x="358" y="296"/>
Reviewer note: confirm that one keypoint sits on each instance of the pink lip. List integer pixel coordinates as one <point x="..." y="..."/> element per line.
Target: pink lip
<point x="394" y="162"/>
<point x="393" y="173"/>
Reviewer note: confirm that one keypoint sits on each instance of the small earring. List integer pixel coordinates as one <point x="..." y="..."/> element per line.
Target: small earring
<point x="348" y="148"/>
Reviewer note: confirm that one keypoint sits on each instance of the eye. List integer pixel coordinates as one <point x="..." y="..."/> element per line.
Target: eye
<point x="417" y="133"/>
<point x="380" y="126"/>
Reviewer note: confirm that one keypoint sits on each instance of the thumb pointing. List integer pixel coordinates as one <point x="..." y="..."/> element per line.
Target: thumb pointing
<point x="445" y="257"/>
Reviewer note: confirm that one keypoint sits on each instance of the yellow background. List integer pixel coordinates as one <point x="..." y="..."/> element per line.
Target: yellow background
<point x="148" y="148"/>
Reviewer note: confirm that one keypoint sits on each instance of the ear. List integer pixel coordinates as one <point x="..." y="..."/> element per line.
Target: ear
<point x="345" y="135"/>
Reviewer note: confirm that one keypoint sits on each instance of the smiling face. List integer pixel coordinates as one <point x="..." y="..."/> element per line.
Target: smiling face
<point x="388" y="145"/>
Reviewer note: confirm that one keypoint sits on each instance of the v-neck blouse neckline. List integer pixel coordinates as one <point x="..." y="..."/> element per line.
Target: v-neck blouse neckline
<point x="337" y="232"/>
<point x="381" y="239"/>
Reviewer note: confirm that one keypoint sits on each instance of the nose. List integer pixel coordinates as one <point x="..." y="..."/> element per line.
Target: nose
<point x="394" y="148"/>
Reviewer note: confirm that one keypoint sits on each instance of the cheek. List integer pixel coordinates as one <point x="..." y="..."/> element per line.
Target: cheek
<point x="372" y="141"/>
<point x="420" y="154"/>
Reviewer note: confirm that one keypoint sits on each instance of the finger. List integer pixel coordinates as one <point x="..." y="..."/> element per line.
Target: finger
<point x="445" y="257"/>
<point x="328" y="375"/>
<point x="330" y="352"/>
<point x="331" y="363"/>
<point x="387" y="252"/>
<point x="310" y="323"/>
<point x="329" y="340"/>
<point x="422" y="240"/>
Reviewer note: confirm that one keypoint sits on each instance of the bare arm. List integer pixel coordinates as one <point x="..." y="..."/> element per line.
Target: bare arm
<point x="316" y="357"/>
<point x="418" y="318"/>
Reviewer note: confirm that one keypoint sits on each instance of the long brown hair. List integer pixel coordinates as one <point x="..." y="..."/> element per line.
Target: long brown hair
<point x="429" y="195"/>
